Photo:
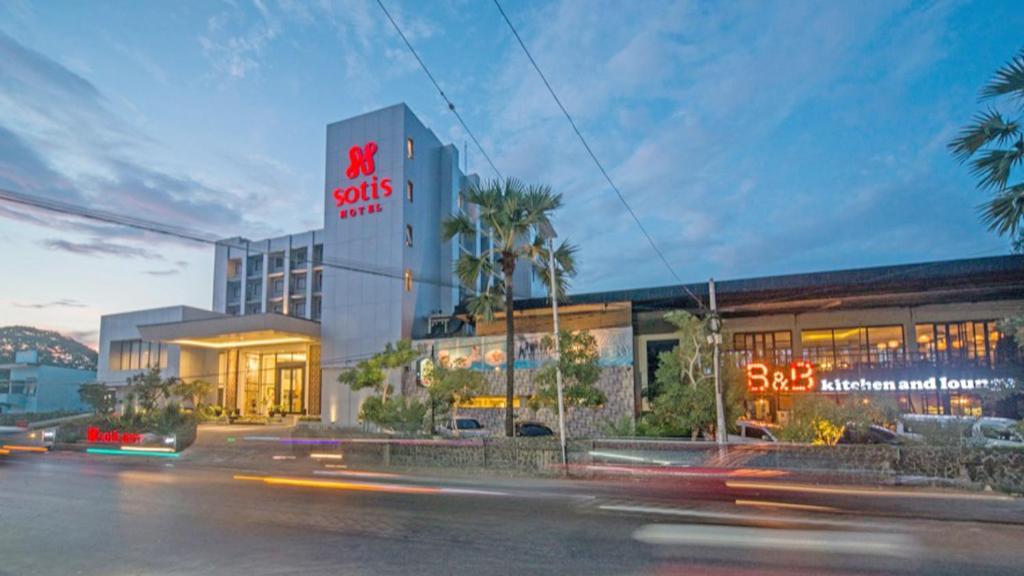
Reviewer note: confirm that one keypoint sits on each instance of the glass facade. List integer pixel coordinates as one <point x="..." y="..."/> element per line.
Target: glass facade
<point x="274" y="382"/>
<point x="976" y="343"/>
<point x="771" y="347"/>
<point x="137" y="355"/>
<point x="848" y="348"/>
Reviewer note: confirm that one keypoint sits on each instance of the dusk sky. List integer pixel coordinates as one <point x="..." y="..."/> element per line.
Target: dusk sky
<point x="752" y="138"/>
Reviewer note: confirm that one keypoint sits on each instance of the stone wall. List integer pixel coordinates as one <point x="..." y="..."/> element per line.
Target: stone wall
<point x="616" y="382"/>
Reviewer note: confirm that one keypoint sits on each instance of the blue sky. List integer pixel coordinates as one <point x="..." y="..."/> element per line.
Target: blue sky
<point x="752" y="138"/>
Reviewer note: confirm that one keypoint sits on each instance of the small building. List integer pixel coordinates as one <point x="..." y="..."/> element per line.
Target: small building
<point x="28" y="386"/>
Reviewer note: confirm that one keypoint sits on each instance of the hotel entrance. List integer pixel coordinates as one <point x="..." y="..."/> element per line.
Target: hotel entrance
<point x="290" y="385"/>
<point x="274" y="381"/>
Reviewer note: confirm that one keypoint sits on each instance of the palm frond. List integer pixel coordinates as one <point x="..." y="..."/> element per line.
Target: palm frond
<point x="1004" y="214"/>
<point x="1008" y="80"/>
<point x="468" y="268"/>
<point x="565" y="267"/>
<point x="461" y="223"/>
<point x="487" y="303"/>
<point x="992" y="167"/>
<point x="985" y="128"/>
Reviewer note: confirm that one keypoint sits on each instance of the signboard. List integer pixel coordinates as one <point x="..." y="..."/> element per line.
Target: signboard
<point x="94" y="435"/>
<point x="488" y="402"/>
<point x="797" y="377"/>
<point x="361" y="197"/>
<point x="800" y="377"/>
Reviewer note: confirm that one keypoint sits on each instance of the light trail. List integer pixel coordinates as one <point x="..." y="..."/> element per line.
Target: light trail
<point x="857" y="491"/>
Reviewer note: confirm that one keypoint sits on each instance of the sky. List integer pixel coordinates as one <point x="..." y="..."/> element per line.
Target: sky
<point x="751" y="138"/>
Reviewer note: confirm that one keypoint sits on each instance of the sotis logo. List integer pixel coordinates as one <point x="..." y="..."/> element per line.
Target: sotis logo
<point x="359" y="199"/>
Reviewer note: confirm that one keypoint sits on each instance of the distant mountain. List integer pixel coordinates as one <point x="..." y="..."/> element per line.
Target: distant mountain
<point x="53" y="348"/>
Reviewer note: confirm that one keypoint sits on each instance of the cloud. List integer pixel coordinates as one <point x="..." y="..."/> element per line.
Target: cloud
<point x="61" y="303"/>
<point x="179" y="267"/>
<point x="98" y="247"/>
<point x="93" y="159"/>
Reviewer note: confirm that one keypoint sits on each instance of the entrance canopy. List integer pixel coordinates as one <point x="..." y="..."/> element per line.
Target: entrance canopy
<point x="234" y="331"/>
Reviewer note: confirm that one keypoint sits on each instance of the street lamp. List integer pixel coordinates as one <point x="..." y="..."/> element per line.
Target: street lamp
<point x="547" y="232"/>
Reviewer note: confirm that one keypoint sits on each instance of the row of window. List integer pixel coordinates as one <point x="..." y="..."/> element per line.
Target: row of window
<point x="26" y="387"/>
<point x="254" y="266"/>
<point x="137" y="355"/>
<point x="970" y="342"/>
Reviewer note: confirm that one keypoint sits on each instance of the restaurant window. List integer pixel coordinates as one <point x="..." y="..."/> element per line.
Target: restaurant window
<point x="972" y="342"/>
<point x="407" y="278"/>
<point x="408" y="148"/>
<point x="408" y="190"/>
<point x="845" y="348"/>
<point x="408" y="234"/>
<point x="775" y="348"/>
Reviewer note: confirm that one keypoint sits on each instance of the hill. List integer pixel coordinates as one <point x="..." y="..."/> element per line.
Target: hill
<point x="54" y="349"/>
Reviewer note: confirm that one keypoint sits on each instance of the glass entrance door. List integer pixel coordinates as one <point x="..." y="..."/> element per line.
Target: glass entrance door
<point x="289" y="387"/>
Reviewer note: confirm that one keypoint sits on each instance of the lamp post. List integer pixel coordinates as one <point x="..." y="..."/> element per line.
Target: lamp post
<point x="547" y="231"/>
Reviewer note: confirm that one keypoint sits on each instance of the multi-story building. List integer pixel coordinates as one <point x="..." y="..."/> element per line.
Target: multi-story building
<point x="378" y="271"/>
<point x="28" y="386"/>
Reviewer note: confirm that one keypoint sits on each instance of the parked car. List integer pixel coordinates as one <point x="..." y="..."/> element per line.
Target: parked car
<point x="996" y="433"/>
<point x="751" y="432"/>
<point x="533" y="429"/>
<point x="464" y="428"/>
<point x="872" y="434"/>
<point x="985" y="431"/>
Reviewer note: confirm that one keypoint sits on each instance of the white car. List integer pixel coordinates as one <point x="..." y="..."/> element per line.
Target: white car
<point x="465" y="428"/>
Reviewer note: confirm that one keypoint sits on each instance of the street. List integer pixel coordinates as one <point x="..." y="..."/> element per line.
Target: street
<point x="66" y="513"/>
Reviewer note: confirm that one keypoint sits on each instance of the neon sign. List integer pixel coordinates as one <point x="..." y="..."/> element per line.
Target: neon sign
<point x="359" y="199"/>
<point x="799" y="377"/>
<point x="94" y="435"/>
<point x="931" y="383"/>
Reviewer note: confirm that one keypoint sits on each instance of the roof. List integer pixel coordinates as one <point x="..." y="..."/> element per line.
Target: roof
<point x="233" y="331"/>
<point x="997" y="277"/>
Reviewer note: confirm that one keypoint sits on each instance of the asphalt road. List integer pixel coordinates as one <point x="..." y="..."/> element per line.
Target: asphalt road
<point x="63" y="513"/>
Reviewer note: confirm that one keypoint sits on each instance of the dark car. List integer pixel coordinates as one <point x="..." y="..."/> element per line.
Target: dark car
<point x="870" y="435"/>
<point x="532" y="429"/>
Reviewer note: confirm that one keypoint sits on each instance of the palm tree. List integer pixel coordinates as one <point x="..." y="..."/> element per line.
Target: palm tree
<point x="510" y="213"/>
<point x="996" y="144"/>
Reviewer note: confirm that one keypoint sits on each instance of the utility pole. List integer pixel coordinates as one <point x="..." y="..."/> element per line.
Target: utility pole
<point x="715" y="323"/>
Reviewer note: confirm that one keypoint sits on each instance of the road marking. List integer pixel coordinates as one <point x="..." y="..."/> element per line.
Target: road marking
<point x="864" y="543"/>
<point x="857" y="491"/>
<point x="732" y="517"/>
<point x="785" y="505"/>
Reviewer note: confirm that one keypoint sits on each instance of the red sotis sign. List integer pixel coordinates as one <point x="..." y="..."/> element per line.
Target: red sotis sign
<point x="359" y="199"/>
<point x="96" y="436"/>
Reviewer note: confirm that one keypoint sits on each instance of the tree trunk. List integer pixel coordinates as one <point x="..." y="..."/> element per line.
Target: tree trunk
<point x="510" y="351"/>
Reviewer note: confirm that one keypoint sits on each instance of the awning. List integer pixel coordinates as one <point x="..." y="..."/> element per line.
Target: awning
<point x="234" y="331"/>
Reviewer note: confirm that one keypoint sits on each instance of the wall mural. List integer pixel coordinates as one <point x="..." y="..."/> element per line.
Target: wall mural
<point x="615" y="348"/>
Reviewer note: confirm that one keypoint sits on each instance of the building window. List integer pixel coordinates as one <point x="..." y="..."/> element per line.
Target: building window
<point x="254" y="266"/>
<point x="234" y="268"/>
<point x="408" y="148"/>
<point x="845" y="348"/>
<point x="973" y="342"/>
<point x="252" y="308"/>
<point x="277" y="307"/>
<point x="408" y="234"/>
<point x="299" y="257"/>
<point x="136" y="355"/>
<point x="318" y="254"/>
<point x="408" y="190"/>
<point x="318" y="281"/>
<point x="775" y="348"/>
<point x="298" y="283"/>
<point x="298" y="308"/>
<point x="234" y="291"/>
<point x="232" y="310"/>
<point x="316" y="308"/>
<point x="276" y="262"/>
<point x="277" y="288"/>
<point x="408" y="280"/>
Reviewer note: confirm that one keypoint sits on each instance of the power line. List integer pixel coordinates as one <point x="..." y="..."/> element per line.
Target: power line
<point x="189" y="235"/>
<point x="593" y="156"/>
<point x="451" y="106"/>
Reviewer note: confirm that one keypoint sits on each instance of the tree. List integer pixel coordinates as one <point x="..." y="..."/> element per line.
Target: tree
<point x="685" y="398"/>
<point x="996" y="144"/>
<point x="580" y="371"/>
<point x="451" y="386"/>
<point x="510" y="212"/>
<point x="397" y="413"/>
<point x="193" y="391"/>
<point x="148" y="388"/>
<point x="821" y="420"/>
<point x="373" y="372"/>
<point x="101" y="397"/>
